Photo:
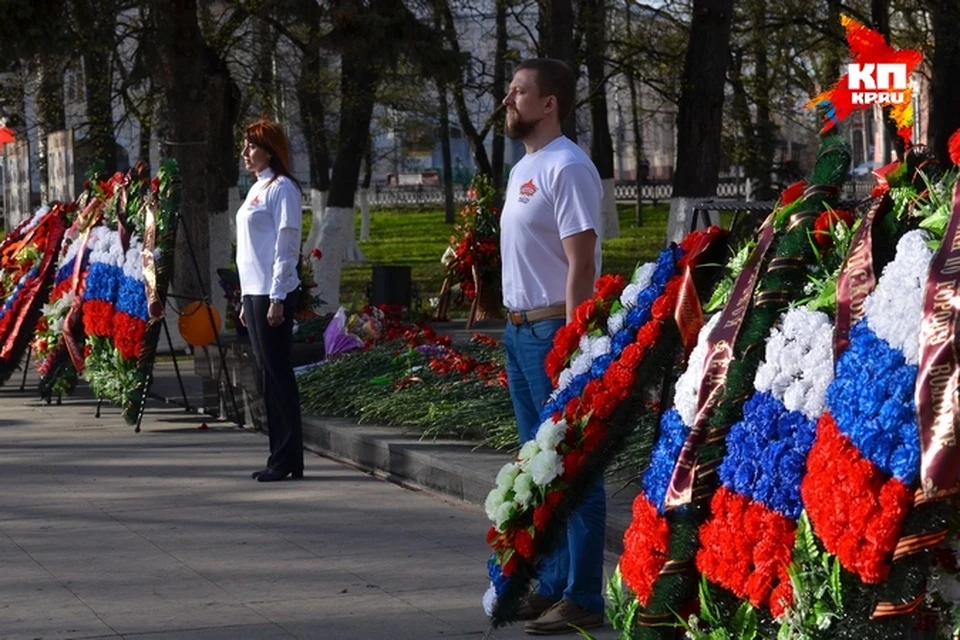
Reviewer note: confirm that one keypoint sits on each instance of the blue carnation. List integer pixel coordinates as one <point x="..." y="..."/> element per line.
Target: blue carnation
<point x="766" y="454"/>
<point x="102" y="282"/>
<point x="656" y="479"/>
<point x="499" y="580"/>
<point x="132" y="298"/>
<point x="872" y="403"/>
<point x="65" y="271"/>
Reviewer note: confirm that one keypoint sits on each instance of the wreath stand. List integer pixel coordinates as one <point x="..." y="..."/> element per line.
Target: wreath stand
<point x="478" y="310"/>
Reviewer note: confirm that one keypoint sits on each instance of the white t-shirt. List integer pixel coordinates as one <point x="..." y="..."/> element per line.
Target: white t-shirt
<point x="552" y="194"/>
<point x="268" y="237"/>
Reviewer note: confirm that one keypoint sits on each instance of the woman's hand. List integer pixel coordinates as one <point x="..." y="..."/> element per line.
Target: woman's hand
<point x="275" y="314"/>
<point x="240" y="317"/>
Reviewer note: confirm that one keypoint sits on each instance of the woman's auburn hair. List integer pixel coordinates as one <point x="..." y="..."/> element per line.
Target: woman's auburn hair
<point x="269" y="136"/>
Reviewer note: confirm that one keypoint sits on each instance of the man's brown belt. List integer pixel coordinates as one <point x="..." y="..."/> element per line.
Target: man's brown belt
<point x="517" y="318"/>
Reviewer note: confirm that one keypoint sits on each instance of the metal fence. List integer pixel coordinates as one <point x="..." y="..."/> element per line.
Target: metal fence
<point x="431" y="196"/>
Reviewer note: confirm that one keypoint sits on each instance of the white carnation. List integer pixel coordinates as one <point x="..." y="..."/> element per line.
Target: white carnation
<point x="507" y="475"/>
<point x="545" y="466"/>
<point x="550" y="434"/>
<point x="798" y="361"/>
<point x="566" y="377"/>
<point x="893" y="310"/>
<point x="492" y="503"/>
<point x="629" y="296"/>
<point x="644" y="274"/>
<point x="523" y="490"/>
<point x="504" y="513"/>
<point x="528" y="450"/>
<point x="490" y="600"/>
<point x="601" y="346"/>
<point x="581" y="363"/>
<point x="616" y="321"/>
<point x="688" y="384"/>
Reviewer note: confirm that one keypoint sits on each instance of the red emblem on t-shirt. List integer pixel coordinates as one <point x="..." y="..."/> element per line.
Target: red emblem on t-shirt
<point x="528" y="188"/>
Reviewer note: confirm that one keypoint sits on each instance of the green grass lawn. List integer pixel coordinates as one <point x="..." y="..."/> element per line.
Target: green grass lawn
<point x="418" y="238"/>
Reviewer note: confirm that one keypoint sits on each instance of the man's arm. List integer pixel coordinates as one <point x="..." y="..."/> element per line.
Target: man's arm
<point x="583" y="269"/>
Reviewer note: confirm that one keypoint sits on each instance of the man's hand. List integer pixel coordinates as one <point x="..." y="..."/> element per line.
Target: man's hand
<point x="241" y="318"/>
<point x="275" y="314"/>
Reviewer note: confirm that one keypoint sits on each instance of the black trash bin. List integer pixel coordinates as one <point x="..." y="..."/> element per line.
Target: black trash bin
<point x="391" y="285"/>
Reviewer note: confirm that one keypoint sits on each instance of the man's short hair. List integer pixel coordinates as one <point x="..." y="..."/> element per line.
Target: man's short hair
<point x="554" y="78"/>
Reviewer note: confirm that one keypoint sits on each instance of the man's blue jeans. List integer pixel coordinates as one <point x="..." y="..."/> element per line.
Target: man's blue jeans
<point x="575" y="569"/>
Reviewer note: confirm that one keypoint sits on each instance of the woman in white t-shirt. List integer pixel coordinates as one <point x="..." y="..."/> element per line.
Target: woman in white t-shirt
<point x="268" y="251"/>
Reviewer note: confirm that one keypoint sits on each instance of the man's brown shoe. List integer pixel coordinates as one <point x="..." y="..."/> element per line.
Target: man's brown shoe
<point x="563" y="617"/>
<point x="533" y="606"/>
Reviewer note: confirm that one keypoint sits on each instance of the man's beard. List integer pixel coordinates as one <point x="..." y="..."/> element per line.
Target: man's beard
<point x="519" y="129"/>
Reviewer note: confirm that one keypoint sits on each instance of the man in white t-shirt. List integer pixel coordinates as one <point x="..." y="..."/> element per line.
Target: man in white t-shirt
<point x="551" y="259"/>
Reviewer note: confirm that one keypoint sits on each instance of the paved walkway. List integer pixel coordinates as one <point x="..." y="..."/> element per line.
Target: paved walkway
<point x="162" y="534"/>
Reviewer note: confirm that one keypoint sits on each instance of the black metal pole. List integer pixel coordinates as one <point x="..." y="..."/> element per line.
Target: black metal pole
<point x="99" y="402"/>
<point x="176" y="367"/>
<point x="26" y="369"/>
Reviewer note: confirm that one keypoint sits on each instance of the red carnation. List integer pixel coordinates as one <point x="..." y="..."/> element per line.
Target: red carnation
<point x="543" y="513"/>
<point x="953" y="145"/>
<point x="511" y="566"/>
<point x="609" y="286"/>
<point x="827" y="221"/>
<point x="523" y="543"/>
<point x="858" y="519"/>
<point x="492" y="535"/>
<point x="879" y="190"/>
<point x="793" y="192"/>
<point x="585" y="313"/>
<point x="316" y="254"/>
<point x="645" y="545"/>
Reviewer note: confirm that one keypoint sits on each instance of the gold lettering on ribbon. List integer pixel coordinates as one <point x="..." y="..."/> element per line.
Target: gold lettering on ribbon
<point x="938" y="381"/>
<point x="148" y="260"/>
<point x="715" y="367"/>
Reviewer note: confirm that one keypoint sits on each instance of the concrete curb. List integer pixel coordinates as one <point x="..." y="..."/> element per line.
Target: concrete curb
<point x="453" y="468"/>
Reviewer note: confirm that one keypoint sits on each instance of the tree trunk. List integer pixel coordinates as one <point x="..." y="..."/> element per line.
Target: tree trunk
<point x="556" y="41"/>
<point x="50" y="113"/>
<point x="146" y="133"/>
<point x="635" y="109"/>
<point x="459" y="100"/>
<point x="699" y="118"/>
<point x="499" y="93"/>
<point x="944" y="89"/>
<point x="448" y="206"/>
<point x="98" y="81"/>
<point x="313" y="122"/>
<point x="365" y="192"/>
<point x="766" y="128"/>
<point x="880" y="13"/>
<point x="358" y="82"/>
<point x="201" y="140"/>
<point x="263" y="80"/>
<point x="594" y="25"/>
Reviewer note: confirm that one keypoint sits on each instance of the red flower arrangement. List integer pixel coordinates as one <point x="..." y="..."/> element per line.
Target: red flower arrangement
<point x="953" y="146"/>
<point x="826" y="222"/>
<point x="747" y="547"/>
<point x="475" y="248"/>
<point x="856" y="509"/>
<point x="589" y="315"/>
<point x="645" y="546"/>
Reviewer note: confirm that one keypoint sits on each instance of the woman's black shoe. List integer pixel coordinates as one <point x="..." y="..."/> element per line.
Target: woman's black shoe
<point x="272" y="475"/>
<point x="256" y="474"/>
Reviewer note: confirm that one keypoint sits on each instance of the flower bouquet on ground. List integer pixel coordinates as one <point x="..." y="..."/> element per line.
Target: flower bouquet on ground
<point x="130" y="262"/>
<point x="607" y="362"/>
<point x="27" y="264"/>
<point x="474" y="252"/>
